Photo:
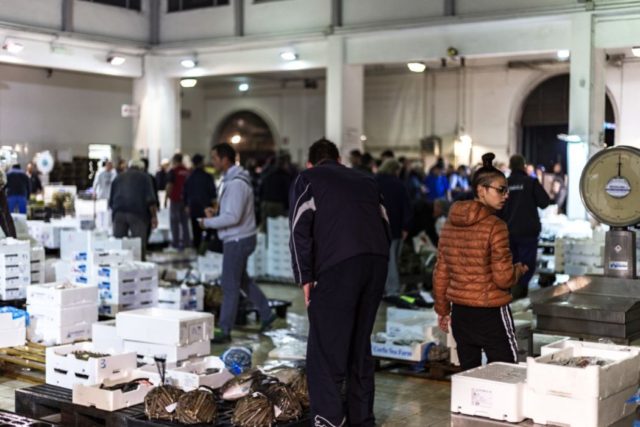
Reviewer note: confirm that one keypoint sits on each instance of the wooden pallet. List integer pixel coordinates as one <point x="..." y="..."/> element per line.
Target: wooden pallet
<point x="25" y="363"/>
<point x="429" y="370"/>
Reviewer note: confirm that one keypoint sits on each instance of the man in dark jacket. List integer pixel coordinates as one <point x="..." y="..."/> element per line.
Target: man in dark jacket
<point x="520" y="213"/>
<point x="396" y="201"/>
<point x="199" y="193"/>
<point x="339" y="248"/>
<point x="274" y="190"/>
<point x="18" y="189"/>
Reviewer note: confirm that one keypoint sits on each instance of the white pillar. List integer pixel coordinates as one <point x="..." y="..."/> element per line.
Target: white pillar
<point x="586" y="106"/>
<point x="157" y="130"/>
<point x="345" y="99"/>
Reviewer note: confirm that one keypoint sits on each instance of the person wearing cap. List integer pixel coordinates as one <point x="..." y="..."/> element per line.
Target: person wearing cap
<point x="162" y="175"/>
<point x="133" y="204"/>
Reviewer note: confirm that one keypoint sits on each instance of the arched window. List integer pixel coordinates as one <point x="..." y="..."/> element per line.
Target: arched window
<point x="250" y="135"/>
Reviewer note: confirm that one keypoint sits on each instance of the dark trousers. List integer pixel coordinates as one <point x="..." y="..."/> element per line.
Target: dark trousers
<point x="489" y="329"/>
<point x="179" y="221"/>
<point x="342" y="310"/>
<point x="124" y="222"/>
<point x="235" y="278"/>
<point x="524" y="250"/>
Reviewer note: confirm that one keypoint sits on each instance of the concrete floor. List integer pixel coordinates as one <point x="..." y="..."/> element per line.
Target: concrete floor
<point x="400" y="401"/>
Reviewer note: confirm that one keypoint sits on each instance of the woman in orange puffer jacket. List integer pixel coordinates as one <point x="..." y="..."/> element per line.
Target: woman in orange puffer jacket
<point x="474" y="272"/>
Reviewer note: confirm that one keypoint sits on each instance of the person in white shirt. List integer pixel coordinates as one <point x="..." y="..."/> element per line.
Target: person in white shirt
<point x="103" y="180"/>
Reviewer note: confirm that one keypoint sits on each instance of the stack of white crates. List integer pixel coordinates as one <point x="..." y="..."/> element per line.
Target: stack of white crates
<point x="73" y="242"/>
<point x="590" y="396"/>
<point x="577" y="257"/>
<point x="126" y="286"/>
<point x="15" y="268"/>
<point x="37" y="265"/>
<point x="61" y="313"/>
<point x="257" y="262"/>
<point x="181" y="297"/>
<point x="209" y="266"/>
<point x="48" y="233"/>
<point x="177" y="334"/>
<point x="278" y="253"/>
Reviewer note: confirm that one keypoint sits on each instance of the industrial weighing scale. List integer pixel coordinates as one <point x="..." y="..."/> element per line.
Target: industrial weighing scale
<point x="608" y="306"/>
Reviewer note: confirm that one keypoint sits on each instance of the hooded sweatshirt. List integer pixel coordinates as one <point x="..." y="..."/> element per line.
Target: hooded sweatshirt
<point x="474" y="266"/>
<point x="236" y="218"/>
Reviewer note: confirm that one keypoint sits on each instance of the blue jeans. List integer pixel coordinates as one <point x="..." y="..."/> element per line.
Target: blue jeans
<point x="235" y="278"/>
<point x="19" y="202"/>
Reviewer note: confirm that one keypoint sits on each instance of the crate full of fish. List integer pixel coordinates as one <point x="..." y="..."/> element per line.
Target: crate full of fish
<point x="190" y="374"/>
<point x="579" y="369"/>
<point x="112" y="395"/>
<point x="80" y="363"/>
<point x="390" y="347"/>
<point x="496" y="391"/>
<point x="146" y="351"/>
<point x="164" y="326"/>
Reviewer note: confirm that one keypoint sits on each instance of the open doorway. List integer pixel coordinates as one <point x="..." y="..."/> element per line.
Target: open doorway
<point x="545" y="115"/>
<point x="250" y="135"/>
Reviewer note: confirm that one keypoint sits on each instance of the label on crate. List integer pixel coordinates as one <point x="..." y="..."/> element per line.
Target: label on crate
<point x="619" y="265"/>
<point x="482" y="398"/>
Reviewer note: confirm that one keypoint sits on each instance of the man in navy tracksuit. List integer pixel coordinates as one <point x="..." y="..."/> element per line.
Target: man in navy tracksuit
<point x="339" y="249"/>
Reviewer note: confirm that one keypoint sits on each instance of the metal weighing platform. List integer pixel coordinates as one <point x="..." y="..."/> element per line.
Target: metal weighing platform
<point x="590" y="307"/>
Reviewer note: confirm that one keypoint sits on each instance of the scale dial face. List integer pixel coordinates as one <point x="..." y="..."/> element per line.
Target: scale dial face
<point x="610" y="186"/>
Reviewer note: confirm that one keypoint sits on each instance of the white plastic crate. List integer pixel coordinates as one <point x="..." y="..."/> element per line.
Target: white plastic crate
<point x="589" y="382"/>
<point x="56" y="315"/>
<point x="105" y="338"/>
<point x="62" y="294"/>
<point x="55" y="334"/>
<point x="190" y="374"/>
<point x="496" y="391"/>
<point x="578" y="412"/>
<point x="146" y="351"/>
<point x="64" y="369"/>
<point x="162" y="326"/>
<point x="110" y="400"/>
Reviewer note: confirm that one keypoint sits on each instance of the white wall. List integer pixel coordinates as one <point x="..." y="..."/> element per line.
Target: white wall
<point x="464" y="7"/>
<point x="111" y="21"/>
<point x="37" y="13"/>
<point x="356" y="12"/>
<point x="65" y="111"/>
<point x="196" y="24"/>
<point x="286" y="16"/>
<point x="296" y="116"/>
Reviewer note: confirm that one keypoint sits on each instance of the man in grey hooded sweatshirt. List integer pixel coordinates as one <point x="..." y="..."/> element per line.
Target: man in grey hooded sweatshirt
<point x="236" y="225"/>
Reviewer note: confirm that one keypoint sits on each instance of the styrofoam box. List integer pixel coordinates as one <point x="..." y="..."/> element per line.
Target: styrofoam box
<point x="60" y="316"/>
<point x="105" y="338"/>
<point x="146" y="350"/>
<point x="145" y="297"/>
<point x="63" y="270"/>
<point x="114" y="309"/>
<point x="10" y="267"/>
<point x="592" y="381"/>
<point x="413" y="352"/>
<point x="37" y="255"/>
<point x="54" y="334"/>
<point x="161" y="326"/>
<point x="37" y="277"/>
<point x="415" y="328"/>
<point x="189" y="375"/>
<point x="64" y="369"/>
<point x="578" y="412"/>
<point x="495" y="391"/>
<point x="73" y="241"/>
<point x="16" y="281"/>
<point x="394" y="313"/>
<point x="110" y="400"/>
<point x="181" y="297"/>
<point x="70" y="295"/>
<point x="13" y="337"/>
<point x="12" y="293"/>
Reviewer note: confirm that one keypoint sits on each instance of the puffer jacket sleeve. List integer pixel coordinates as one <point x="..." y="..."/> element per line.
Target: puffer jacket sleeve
<point x="440" y="284"/>
<point x="502" y="269"/>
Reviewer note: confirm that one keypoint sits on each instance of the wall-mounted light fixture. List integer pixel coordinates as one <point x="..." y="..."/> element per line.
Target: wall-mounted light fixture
<point x="188" y="82"/>
<point x="288" y="55"/>
<point x="243" y="87"/>
<point x="116" y="60"/>
<point x="189" y="62"/>
<point x="417" y="67"/>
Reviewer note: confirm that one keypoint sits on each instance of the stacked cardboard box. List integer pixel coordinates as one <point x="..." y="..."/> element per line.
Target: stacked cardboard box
<point x="61" y="313"/>
<point x="15" y="268"/>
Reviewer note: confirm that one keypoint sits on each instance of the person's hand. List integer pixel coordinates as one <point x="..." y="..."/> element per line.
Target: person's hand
<point x="154" y="222"/>
<point x="201" y="223"/>
<point x="520" y="269"/>
<point x="306" y="288"/>
<point x="209" y="212"/>
<point x="443" y="323"/>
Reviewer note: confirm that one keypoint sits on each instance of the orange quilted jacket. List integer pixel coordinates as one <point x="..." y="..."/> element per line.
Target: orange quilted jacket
<point x="474" y="266"/>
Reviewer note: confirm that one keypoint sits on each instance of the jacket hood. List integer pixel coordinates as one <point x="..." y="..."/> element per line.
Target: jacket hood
<point x="468" y="212"/>
<point x="235" y="171"/>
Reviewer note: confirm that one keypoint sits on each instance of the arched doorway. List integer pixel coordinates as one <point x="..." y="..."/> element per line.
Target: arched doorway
<point x="545" y="115"/>
<point x="250" y="135"/>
